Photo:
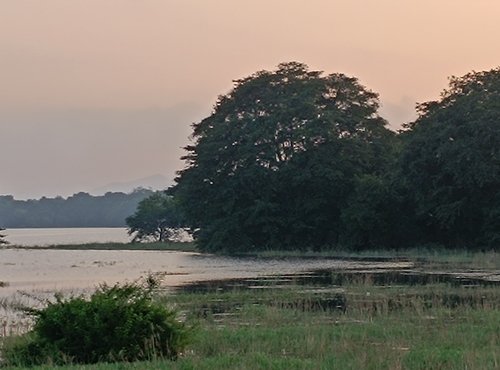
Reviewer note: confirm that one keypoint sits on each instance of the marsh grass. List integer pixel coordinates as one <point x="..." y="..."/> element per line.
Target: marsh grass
<point x="427" y="256"/>
<point x="363" y="325"/>
<point x="424" y="331"/>
<point x="263" y="333"/>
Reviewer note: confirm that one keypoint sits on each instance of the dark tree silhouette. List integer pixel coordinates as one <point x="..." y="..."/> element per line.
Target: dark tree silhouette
<point x="157" y="218"/>
<point x="451" y="163"/>
<point x="274" y="164"/>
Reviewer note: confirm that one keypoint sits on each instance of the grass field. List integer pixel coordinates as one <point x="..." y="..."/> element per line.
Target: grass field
<point x="170" y="246"/>
<point x="355" y="324"/>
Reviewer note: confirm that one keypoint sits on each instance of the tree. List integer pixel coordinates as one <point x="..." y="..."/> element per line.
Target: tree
<point x="273" y="164"/>
<point x="157" y="217"/>
<point x="2" y="236"/>
<point x="451" y="162"/>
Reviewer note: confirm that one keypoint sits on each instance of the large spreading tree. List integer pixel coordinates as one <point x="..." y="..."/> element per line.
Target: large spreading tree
<point x="275" y="163"/>
<point x="451" y="163"/>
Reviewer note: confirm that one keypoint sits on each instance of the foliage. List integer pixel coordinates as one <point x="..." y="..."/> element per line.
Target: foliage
<point x="450" y="163"/>
<point x="275" y="162"/>
<point x="370" y="217"/>
<point x="157" y="217"/>
<point x="79" y="210"/>
<point x="118" y="323"/>
<point x="413" y="326"/>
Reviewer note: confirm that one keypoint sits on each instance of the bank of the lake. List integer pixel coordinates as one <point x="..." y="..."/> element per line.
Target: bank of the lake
<point x="114" y="246"/>
<point x="422" y="308"/>
<point x="356" y="324"/>
<point x="460" y="258"/>
<point x="118" y="239"/>
<point x="44" y="271"/>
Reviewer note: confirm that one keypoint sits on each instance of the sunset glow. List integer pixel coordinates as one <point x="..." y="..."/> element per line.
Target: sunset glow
<point x="94" y="92"/>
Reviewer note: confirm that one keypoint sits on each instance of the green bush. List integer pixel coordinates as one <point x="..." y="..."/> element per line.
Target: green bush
<point x="118" y="323"/>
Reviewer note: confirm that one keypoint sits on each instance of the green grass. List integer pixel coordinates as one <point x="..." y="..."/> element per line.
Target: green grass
<point x="464" y="340"/>
<point x="398" y="327"/>
<point x="155" y="246"/>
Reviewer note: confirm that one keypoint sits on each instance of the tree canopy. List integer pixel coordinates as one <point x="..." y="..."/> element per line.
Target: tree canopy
<point x="157" y="218"/>
<point x="295" y="159"/>
<point x="276" y="161"/>
<point x="451" y="163"/>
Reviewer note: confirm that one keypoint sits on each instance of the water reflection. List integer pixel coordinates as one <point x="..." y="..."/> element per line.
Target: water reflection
<point x="331" y="278"/>
<point x="28" y="277"/>
<point x="34" y="270"/>
<point x="53" y="236"/>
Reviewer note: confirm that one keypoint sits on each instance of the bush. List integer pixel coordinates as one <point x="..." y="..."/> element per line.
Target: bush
<point x="118" y="323"/>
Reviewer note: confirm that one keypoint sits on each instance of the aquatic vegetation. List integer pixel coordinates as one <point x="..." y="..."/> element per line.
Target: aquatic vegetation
<point x="412" y="316"/>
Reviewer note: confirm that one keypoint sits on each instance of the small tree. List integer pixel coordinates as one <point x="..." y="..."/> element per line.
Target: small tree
<point x="2" y="236"/>
<point x="157" y="218"/>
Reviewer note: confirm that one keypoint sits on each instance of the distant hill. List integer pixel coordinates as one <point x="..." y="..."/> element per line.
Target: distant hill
<point x="154" y="182"/>
<point x="79" y="210"/>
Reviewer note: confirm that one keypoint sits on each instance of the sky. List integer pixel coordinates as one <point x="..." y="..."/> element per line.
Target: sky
<point x="94" y="92"/>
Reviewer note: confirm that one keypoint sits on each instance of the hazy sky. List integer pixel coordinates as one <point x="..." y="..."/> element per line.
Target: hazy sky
<point x="100" y="91"/>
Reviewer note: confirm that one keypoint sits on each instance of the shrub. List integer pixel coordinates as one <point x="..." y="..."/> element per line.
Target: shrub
<point x="118" y="323"/>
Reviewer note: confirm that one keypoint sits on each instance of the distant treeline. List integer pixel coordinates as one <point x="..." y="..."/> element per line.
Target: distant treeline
<point x="79" y="210"/>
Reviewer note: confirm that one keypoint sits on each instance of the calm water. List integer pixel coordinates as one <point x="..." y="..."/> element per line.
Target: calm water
<point x="31" y="275"/>
<point x="40" y="237"/>
<point x="35" y="270"/>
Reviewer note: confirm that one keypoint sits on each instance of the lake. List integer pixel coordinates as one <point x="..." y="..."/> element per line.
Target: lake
<point x="29" y="276"/>
<point x="39" y="271"/>
<point x="41" y="237"/>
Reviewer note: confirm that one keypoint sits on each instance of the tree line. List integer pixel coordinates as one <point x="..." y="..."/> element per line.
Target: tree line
<point x="295" y="159"/>
<point x="79" y="210"/>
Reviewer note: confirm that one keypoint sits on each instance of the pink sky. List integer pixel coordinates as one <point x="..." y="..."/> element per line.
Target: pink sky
<point x="100" y="91"/>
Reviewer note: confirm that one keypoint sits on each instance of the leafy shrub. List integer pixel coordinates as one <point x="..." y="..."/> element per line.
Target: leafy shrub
<point x="118" y="323"/>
